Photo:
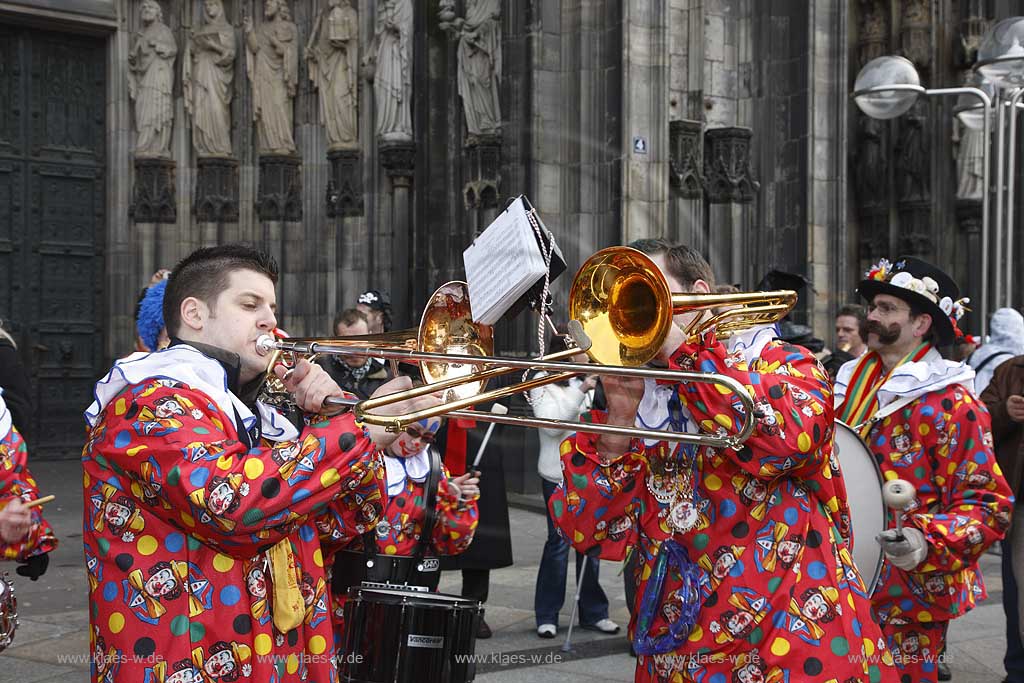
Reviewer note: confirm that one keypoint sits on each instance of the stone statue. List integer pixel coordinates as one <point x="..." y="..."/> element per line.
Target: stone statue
<point x="150" y="81"/>
<point x="333" y="57"/>
<point x="970" y="161"/>
<point x="479" y="57"/>
<point x="871" y="162"/>
<point x="272" y="64"/>
<point x="912" y="159"/>
<point x="392" y="87"/>
<point x="208" y="72"/>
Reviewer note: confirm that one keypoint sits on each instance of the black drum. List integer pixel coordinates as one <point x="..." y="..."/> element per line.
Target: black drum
<point x="400" y="635"/>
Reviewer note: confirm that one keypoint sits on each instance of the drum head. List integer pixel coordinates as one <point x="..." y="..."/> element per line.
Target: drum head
<point x="864" y="495"/>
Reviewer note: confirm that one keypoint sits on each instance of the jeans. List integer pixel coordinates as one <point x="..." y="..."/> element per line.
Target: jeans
<point x="550" y="593"/>
<point x="1014" y="658"/>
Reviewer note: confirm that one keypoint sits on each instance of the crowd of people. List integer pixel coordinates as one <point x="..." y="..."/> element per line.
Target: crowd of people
<point x="224" y="531"/>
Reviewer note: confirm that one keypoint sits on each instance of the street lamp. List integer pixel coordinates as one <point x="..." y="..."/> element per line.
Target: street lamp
<point x="1001" y="60"/>
<point x="887" y="87"/>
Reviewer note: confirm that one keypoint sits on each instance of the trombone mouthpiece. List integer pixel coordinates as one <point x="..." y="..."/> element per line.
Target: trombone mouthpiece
<point x="265" y="344"/>
<point x="582" y="339"/>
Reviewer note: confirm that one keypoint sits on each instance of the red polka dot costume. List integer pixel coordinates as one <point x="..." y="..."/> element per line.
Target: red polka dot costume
<point x="183" y="521"/>
<point x="942" y="444"/>
<point x="778" y="595"/>
<point x="16" y="482"/>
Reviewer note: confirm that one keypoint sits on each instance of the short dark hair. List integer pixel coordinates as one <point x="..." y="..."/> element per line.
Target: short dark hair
<point x="651" y="246"/>
<point x="860" y="313"/>
<point x="682" y="262"/>
<point x="687" y="265"/>
<point x="204" y="274"/>
<point x="348" y="318"/>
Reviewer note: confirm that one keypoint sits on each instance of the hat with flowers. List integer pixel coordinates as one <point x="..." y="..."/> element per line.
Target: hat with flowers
<point x="923" y="285"/>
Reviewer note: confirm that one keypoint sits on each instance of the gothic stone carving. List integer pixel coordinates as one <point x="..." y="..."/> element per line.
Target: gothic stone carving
<point x="154" y="197"/>
<point x="479" y="62"/>
<point x="272" y="64"/>
<point x="727" y="166"/>
<point x="332" y="55"/>
<point x="345" y="188"/>
<point x="280" y="190"/>
<point x="686" y="163"/>
<point x="208" y="71"/>
<point x="484" y="156"/>
<point x="915" y="32"/>
<point x="150" y="82"/>
<point x="398" y="158"/>
<point x="392" y="70"/>
<point x="216" y="196"/>
<point x="873" y="30"/>
<point x="870" y="163"/>
<point x="913" y="157"/>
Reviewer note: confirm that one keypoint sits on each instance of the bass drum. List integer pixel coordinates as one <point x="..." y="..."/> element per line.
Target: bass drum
<point x="864" y="482"/>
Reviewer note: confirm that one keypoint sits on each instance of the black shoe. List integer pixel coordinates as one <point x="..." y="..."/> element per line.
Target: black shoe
<point x="483" y="631"/>
<point x="943" y="672"/>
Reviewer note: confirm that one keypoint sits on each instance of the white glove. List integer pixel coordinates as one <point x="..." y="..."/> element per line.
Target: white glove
<point x="906" y="553"/>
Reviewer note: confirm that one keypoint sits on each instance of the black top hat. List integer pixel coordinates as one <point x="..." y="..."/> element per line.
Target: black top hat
<point x="919" y="283"/>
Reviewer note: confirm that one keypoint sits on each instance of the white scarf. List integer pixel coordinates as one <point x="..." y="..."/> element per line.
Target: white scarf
<point x="5" y="418"/>
<point x="415" y="467"/>
<point x="185" y="364"/>
<point x="653" y="411"/>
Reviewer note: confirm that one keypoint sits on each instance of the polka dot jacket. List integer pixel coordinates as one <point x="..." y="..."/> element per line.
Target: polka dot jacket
<point x="17" y="482"/>
<point x="177" y="514"/>
<point x="780" y="597"/>
<point x="942" y="444"/>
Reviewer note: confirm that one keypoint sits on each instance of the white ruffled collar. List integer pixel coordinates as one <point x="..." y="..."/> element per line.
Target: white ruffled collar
<point x="653" y="412"/>
<point x="185" y="364"/>
<point x="415" y="467"/>
<point x="911" y="380"/>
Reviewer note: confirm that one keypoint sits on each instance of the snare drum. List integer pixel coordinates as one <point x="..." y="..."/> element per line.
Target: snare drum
<point x="864" y="482"/>
<point x="399" y="635"/>
<point x="8" y="612"/>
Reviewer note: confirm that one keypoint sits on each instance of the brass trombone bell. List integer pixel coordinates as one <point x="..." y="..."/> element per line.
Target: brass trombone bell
<point x="625" y="306"/>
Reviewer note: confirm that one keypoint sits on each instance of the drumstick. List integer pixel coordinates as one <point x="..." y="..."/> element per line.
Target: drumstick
<point x="497" y="409"/>
<point x="898" y="495"/>
<point x="39" y="501"/>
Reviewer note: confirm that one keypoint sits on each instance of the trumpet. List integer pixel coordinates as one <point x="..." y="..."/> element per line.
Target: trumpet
<point x="621" y="311"/>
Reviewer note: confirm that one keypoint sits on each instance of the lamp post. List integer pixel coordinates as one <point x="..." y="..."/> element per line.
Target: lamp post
<point x="887" y="87"/>
<point x="1001" y="61"/>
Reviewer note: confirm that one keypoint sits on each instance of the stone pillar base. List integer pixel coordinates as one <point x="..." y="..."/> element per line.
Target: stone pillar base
<point x="686" y="158"/>
<point x="397" y="157"/>
<point x="280" y="190"/>
<point x="216" y="195"/>
<point x="154" y="198"/>
<point x="483" y="154"/>
<point x="345" y="188"/>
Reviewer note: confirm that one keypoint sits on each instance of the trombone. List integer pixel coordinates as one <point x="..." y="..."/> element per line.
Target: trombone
<point x="621" y="311"/>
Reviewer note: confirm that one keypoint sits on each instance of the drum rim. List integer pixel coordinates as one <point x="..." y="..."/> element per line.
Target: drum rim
<point x="877" y="574"/>
<point x="413" y="596"/>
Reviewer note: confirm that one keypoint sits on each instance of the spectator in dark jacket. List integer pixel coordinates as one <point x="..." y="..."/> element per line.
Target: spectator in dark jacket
<point x="1004" y="397"/>
<point x="359" y="375"/>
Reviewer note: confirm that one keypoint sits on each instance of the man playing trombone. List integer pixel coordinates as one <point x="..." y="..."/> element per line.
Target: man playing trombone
<point x="209" y="516"/>
<point x="744" y="572"/>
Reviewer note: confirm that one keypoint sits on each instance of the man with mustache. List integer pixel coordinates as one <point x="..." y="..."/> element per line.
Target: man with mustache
<point x="919" y="416"/>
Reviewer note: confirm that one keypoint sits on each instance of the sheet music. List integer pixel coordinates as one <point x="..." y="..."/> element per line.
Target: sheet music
<point x="502" y="264"/>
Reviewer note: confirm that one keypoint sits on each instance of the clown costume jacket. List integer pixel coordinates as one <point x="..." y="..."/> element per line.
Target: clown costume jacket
<point x="17" y="482"/>
<point x="942" y="444"/>
<point x="206" y="541"/>
<point x="398" y="531"/>
<point x="746" y="544"/>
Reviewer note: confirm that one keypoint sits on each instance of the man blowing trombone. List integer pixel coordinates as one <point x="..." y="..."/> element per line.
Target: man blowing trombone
<point x="744" y="571"/>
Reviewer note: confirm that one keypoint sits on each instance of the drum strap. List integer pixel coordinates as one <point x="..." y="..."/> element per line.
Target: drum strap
<point x="429" y="510"/>
<point x="883" y="413"/>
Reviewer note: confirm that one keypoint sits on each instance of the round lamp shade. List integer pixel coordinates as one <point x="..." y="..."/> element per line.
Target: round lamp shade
<point x="887" y="87"/>
<point x="1001" y="54"/>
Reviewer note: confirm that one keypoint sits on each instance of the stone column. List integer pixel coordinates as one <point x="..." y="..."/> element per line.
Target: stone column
<point x="398" y="160"/>
<point x="729" y="181"/>
<point x="644" y="118"/>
